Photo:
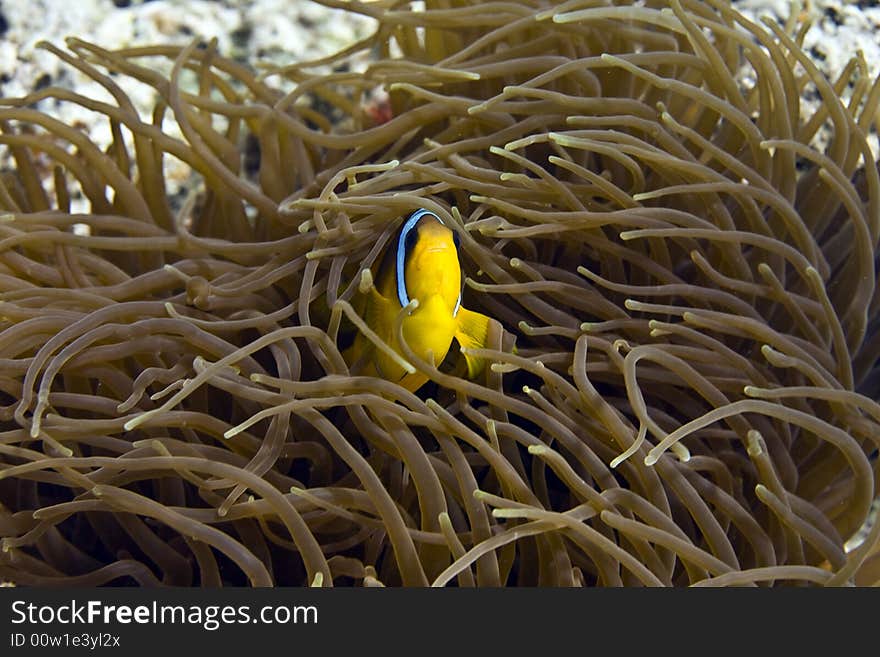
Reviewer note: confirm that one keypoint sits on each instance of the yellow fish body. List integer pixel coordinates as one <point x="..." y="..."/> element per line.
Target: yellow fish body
<point x="422" y="264"/>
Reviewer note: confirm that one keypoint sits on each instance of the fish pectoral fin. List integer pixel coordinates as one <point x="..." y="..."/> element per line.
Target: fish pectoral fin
<point x="473" y="330"/>
<point x="374" y="309"/>
<point x="358" y="356"/>
<point x="379" y="312"/>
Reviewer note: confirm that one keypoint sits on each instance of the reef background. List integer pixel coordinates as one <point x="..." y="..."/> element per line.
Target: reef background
<point x="278" y="31"/>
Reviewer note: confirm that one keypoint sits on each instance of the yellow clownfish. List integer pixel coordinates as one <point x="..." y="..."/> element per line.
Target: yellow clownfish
<point x="421" y="264"/>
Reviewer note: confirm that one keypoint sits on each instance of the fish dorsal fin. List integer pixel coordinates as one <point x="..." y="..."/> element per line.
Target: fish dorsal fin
<point x="473" y="330"/>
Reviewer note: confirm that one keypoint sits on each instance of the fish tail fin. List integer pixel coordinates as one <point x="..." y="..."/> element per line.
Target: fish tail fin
<point x="473" y="330"/>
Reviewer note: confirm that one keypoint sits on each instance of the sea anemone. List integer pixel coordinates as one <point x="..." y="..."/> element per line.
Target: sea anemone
<point x="679" y="252"/>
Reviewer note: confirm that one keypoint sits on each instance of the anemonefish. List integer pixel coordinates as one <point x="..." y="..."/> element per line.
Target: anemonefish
<point x="421" y="263"/>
